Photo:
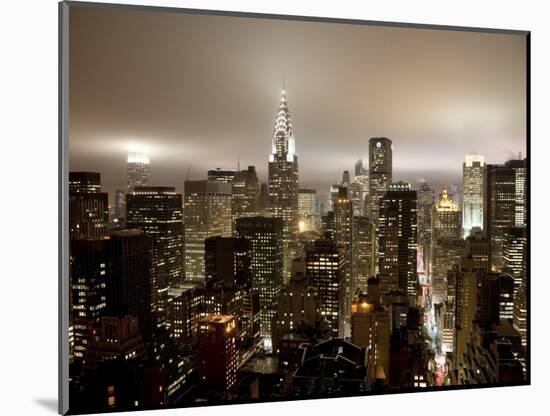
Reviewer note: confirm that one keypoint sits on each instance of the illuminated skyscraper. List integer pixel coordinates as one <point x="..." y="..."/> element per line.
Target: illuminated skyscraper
<point x="217" y="352"/>
<point x="343" y="215"/>
<point x="398" y="239"/>
<point x="324" y="270"/>
<point x="157" y="211"/>
<point x="88" y="206"/>
<point x="265" y="236"/>
<point x="446" y="218"/>
<point x="90" y="270"/>
<point x="506" y="205"/>
<point x="426" y="199"/>
<point x="137" y="169"/>
<point x="283" y="181"/>
<point x="363" y="256"/>
<point x="380" y="172"/>
<point x="245" y="194"/>
<point x="207" y="213"/>
<point x="84" y="182"/>
<point x="473" y="174"/>
<point x="513" y="252"/>
<point x="515" y="266"/>
<point x="307" y="210"/>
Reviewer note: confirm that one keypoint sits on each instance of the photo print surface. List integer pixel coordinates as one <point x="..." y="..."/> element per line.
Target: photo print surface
<point x="267" y="208"/>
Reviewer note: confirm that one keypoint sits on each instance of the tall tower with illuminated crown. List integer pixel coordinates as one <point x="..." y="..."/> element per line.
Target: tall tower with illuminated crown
<point x="283" y="181"/>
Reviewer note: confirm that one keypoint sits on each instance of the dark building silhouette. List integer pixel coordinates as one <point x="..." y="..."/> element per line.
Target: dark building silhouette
<point x="88" y="206"/>
<point x="325" y="271"/>
<point x="398" y="240"/>
<point x="157" y="211"/>
<point x="84" y="182"/>
<point x="505" y="205"/>
<point x="217" y="353"/>
<point x="116" y="338"/>
<point x="228" y="289"/>
<point x="130" y="288"/>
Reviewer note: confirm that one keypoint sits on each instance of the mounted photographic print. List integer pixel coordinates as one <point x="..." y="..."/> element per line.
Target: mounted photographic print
<point x="266" y="208"/>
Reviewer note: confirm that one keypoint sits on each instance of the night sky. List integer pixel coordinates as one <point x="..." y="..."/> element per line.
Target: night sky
<point x="203" y="91"/>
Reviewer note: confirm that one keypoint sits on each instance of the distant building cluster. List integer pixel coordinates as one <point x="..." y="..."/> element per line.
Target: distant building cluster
<point x="240" y="289"/>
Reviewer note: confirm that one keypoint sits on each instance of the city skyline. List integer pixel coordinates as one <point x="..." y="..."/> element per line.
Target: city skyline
<point x="438" y="102"/>
<point x="315" y="264"/>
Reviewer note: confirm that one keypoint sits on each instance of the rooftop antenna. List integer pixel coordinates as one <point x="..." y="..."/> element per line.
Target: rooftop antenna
<point x="238" y="163"/>
<point x="188" y="172"/>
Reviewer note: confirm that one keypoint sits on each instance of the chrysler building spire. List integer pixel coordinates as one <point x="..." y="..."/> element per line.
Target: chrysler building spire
<point x="283" y="182"/>
<point x="283" y="136"/>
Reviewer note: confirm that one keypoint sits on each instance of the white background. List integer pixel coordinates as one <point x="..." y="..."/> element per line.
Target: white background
<point x="28" y="217"/>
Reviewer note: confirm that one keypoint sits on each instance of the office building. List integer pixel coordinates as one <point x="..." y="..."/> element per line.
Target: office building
<point x="265" y="236"/>
<point x="473" y="175"/>
<point x="216" y="352"/>
<point x="157" y="211"/>
<point x="505" y="205"/>
<point x="207" y="213"/>
<point x="343" y="231"/>
<point x="425" y="202"/>
<point x="89" y="270"/>
<point x="84" y="182"/>
<point x="221" y="175"/>
<point x="307" y="210"/>
<point x="446" y="218"/>
<point x="397" y="237"/>
<point x="245" y="195"/>
<point x="298" y="308"/>
<point x="137" y="169"/>
<point x="88" y="206"/>
<point x="446" y="253"/>
<point x="325" y="271"/>
<point x="380" y="173"/>
<point x="371" y="328"/>
<point x="363" y="252"/>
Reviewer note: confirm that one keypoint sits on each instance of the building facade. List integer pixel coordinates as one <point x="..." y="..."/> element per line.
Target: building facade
<point x="245" y="195"/>
<point x="380" y="173"/>
<point x="505" y="205"/>
<point x="283" y="182"/>
<point x="397" y="247"/>
<point x="157" y="211"/>
<point x="138" y="172"/>
<point x="265" y="236"/>
<point x="207" y="213"/>
<point x="473" y="175"/>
